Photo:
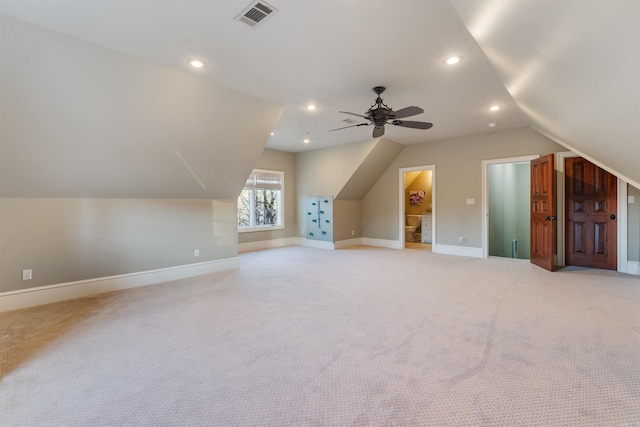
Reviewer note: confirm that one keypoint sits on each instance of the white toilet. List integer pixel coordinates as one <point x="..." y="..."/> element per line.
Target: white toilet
<point x="412" y="227"/>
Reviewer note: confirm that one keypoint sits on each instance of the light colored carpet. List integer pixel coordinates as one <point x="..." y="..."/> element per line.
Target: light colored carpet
<point x="308" y="337"/>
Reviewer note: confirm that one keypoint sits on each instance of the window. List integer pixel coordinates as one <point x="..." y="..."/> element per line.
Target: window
<point x="260" y="204"/>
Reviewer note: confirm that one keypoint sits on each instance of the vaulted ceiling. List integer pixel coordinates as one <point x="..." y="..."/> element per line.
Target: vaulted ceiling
<point x="566" y="68"/>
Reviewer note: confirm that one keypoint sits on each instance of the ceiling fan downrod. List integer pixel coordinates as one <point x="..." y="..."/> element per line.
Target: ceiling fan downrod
<point x="378" y="90"/>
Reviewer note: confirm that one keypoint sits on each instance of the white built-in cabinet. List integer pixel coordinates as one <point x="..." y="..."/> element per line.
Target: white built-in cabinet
<point x="426" y="228"/>
<point x="320" y="218"/>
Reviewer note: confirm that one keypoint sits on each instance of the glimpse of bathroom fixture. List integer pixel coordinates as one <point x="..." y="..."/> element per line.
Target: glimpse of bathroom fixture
<point x="412" y="227"/>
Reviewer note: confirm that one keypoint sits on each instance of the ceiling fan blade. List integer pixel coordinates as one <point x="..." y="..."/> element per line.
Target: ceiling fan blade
<point x="407" y="112"/>
<point x="352" y="126"/>
<point x="410" y="124"/>
<point x="378" y="131"/>
<point x="354" y="114"/>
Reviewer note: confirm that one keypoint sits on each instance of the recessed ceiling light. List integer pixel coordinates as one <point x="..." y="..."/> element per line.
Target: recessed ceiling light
<point x="311" y="107"/>
<point x="272" y="133"/>
<point x="196" y="63"/>
<point x="452" y="60"/>
<point x="306" y="140"/>
<point x="495" y="107"/>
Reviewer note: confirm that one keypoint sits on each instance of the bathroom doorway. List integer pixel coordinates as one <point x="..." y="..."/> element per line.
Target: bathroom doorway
<point x="506" y="202"/>
<point x="417" y="207"/>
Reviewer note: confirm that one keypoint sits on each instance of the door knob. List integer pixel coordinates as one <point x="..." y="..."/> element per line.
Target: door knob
<point x="612" y="216"/>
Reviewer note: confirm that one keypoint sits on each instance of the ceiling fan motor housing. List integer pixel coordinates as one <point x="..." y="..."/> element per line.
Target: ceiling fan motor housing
<point x="380" y="114"/>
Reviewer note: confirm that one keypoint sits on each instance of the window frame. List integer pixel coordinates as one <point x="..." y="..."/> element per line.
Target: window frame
<point x="252" y="198"/>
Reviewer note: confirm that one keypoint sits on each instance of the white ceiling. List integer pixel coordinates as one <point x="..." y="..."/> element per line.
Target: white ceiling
<point x="548" y="63"/>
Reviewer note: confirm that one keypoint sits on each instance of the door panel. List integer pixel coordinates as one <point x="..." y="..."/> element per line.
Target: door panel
<point x="591" y="206"/>
<point x="543" y="211"/>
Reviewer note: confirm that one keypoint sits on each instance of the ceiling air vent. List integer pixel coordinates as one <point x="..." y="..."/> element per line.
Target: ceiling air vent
<point x="256" y="13"/>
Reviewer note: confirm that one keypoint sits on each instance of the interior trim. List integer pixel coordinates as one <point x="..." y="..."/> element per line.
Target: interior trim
<point x="23" y="298"/>
<point x="315" y="243"/>
<point x="633" y="267"/>
<point x="623" y="264"/>
<point x="382" y="243"/>
<point x="485" y="194"/>
<point x="458" y="250"/>
<point x="401" y="202"/>
<point x="347" y="243"/>
<point x="268" y="244"/>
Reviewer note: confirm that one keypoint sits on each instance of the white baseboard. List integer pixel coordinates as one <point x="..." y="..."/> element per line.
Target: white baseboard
<point x="381" y="243"/>
<point x="300" y="241"/>
<point x="267" y="244"/>
<point x="340" y="244"/>
<point x="457" y="250"/>
<point x="320" y="244"/>
<point x="14" y="300"/>
<point x="633" y="267"/>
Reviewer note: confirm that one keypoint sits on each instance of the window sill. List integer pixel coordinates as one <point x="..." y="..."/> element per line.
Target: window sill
<point x="254" y="229"/>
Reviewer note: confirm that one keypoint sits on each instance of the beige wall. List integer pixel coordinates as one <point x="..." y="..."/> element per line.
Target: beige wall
<point x="458" y="176"/>
<point x="65" y="240"/>
<point x="112" y="165"/>
<point x="346" y="219"/>
<point x="325" y="172"/>
<point x="284" y="162"/>
<point x="345" y="172"/>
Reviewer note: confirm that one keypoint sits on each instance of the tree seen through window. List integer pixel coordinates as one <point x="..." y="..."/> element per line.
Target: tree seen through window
<point x="259" y="203"/>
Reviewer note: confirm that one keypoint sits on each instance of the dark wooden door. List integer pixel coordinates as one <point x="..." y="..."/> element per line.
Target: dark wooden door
<point x="543" y="212"/>
<point x="591" y="197"/>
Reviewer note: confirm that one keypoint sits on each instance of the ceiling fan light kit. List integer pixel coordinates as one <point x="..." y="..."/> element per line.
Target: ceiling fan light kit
<point x="380" y="114"/>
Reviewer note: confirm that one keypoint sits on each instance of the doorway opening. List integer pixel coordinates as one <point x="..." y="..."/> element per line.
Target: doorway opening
<point x="622" y="261"/>
<point x="417" y="207"/>
<point x="506" y="205"/>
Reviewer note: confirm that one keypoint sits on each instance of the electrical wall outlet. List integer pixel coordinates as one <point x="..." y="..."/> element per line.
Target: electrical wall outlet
<point x="26" y="274"/>
<point x="461" y="239"/>
<point x="471" y="201"/>
<point x="353" y="232"/>
<point x="631" y="199"/>
<point x="196" y="252"/>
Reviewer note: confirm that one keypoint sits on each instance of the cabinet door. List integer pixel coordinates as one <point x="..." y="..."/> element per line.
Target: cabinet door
<point x="319" y="216"/>
<point x="313" y="228"/>
<point x="426" y="228"/>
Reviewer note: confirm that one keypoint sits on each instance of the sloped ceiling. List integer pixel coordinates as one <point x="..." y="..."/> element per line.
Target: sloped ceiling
<point x="573" y="69"/>
<point x="566" y="68"/>
<point x="83" y="121"/>
<point x="327" y="52"/>
<point x="326" y="171"/>
<point x="409" y="177"/>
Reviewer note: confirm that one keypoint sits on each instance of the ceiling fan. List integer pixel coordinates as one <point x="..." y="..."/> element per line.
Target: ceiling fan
<point x="379" y="114"/>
